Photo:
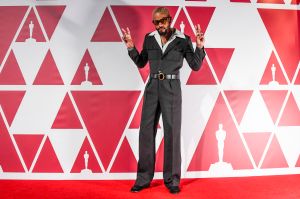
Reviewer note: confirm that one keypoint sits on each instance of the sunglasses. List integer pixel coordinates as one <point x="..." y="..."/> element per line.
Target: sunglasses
<point x="162" y="20"/>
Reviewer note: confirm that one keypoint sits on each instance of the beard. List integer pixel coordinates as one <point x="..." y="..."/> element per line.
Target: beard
<point x="163" y="31"/>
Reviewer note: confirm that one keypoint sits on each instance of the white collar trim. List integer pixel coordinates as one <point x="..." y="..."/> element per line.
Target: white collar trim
<point x="158" y="39"/>
<point x="176" y="34"/>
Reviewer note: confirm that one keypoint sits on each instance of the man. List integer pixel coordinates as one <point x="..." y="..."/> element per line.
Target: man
<point x="165" y="49"/>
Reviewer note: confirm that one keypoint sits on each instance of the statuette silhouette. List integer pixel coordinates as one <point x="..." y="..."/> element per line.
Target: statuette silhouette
<point x="182" y="26"/>
<point x="31" y="26"/>
<point x="86" y="82"/>
<point x="273" y="82"/>
<point x="220" y="167"/>
<point x="86" y="161"/>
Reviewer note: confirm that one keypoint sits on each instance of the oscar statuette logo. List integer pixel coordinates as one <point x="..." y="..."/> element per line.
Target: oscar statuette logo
<point x="86" y="72"/>
<point x="31" y="39"/>
<point x="273" y="82"/>
<point x="220" y="167"/>
<point x="86" y="161"/>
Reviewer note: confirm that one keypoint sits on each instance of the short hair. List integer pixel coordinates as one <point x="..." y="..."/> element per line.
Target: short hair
<point x="162" y="10"/>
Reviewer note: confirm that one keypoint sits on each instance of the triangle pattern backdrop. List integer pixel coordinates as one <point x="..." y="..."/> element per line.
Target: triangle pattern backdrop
<point x="102" y="120"/>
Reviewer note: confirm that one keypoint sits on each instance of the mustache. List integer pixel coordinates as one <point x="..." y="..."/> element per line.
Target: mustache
<point x="161" y="28"/>
<point x="161" y="32"/>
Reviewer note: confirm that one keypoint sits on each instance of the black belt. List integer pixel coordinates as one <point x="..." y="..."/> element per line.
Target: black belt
<point x="162" y="76"/>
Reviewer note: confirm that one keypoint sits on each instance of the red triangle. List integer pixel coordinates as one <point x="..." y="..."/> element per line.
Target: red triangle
<point x="47" y="161"/>
<point x="201" y="15"/>
<point x="274" y="100"/>
<point x="125" y="161"/>
<point x="37" y="33"/>
<point x="92" y="73"/>
<point x="202" y="77"/>
<point x="188" y="29"/>
<point x="295" y="2"/>
<point x="241" y="1"/>
<point x="9" y="159"/>
<point x="105" y="114"/>
<point x="298" y="162"/>
<point x="106" y="30"/>
<point x="138" y="20"/>
<point x="10" y="102"/>
<point x="238" y="100"/>
<point x="11" y="73"/>
<point x="50" y="16"/>
<point x="159" y="162"/>
<point x="92" y="161"/>
<point x="283" y="28"/>
<point x="136" y="121"/>
<point x="267" y="77"/>
<point x="207" y="150"/>
<point x="66" y="117"/>
<point x="219" y="58"/>
<point x="48" y="73"/>
<point x="291" y="113"/>
<point x="28" y="146"/>
<point x="10" y="20"/>
<point x="274" y="157"/>
<point x="271" y="1"/>
<point x="257" y="143"/>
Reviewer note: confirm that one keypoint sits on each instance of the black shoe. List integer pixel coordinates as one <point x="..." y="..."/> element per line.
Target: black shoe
<point x="174" y="189"/>
<point x="138" y="188"/>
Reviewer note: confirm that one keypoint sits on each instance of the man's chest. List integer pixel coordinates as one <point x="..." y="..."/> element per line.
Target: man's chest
<point x="170" y="50"/>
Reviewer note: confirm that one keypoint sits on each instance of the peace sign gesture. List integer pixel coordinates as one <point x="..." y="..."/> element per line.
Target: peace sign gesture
<point x="199" y="36"/>
<point x="127" y="38"/>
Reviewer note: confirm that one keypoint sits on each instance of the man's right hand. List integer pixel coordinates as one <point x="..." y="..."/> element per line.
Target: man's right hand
<point x="127" y="38"/>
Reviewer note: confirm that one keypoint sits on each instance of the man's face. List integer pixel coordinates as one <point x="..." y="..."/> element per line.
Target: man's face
<point x="161" y="22"/>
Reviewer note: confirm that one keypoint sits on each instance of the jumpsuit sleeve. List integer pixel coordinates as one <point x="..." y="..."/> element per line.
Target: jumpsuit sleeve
<point x="194" y="58"/>
<point x="140" y="59"/>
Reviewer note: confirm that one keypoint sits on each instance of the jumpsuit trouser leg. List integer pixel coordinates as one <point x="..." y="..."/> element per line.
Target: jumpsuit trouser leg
<point x="160" y="97"/>
<point x="170" y="100"/>
<point x="148" y="128"/>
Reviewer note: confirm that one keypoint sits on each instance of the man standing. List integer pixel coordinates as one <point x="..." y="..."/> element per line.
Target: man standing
<point x="165" y="49"/>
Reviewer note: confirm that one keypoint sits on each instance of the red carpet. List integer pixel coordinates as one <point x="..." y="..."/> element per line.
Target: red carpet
<point x="272" y="187"/>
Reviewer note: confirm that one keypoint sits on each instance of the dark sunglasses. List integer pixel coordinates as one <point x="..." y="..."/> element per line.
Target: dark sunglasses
<point x="162" y="20"/>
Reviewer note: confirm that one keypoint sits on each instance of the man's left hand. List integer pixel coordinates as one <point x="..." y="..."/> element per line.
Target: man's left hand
<point x="199" y="36"/>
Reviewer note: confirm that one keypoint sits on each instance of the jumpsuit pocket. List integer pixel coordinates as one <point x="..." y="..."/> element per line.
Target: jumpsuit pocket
<point x="175" y="87"/>
<point x="171" y="86"/>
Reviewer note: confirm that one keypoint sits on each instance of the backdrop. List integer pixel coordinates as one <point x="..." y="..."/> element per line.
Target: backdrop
<point x="71" y="97"/>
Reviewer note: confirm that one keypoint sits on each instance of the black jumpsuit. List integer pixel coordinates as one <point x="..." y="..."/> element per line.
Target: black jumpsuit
<point x="163" y="97"/>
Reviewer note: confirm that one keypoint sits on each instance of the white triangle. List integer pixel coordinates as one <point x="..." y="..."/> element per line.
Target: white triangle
<point x="257" y="117"/>
<point x="30" y="57"/>
<point x="197" y="105"/>
<point x="66" y="144"/>
<point x="121" y="70"/>
<point x="288" y="138"/>
<point x="69" y="42"/>
<point x="38" y="109"/>
<point x="296" y="94"/>
<point x="133" y="140"/>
